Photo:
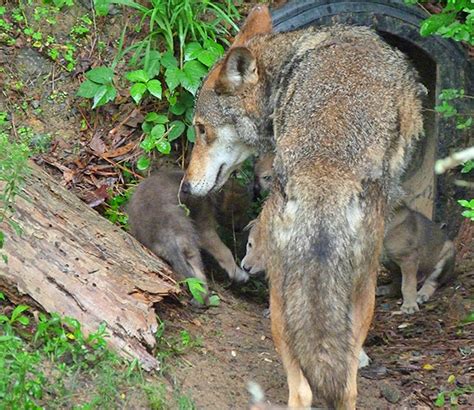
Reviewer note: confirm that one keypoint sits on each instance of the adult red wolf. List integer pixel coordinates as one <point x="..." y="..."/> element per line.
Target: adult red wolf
<point x="340" y="109"/>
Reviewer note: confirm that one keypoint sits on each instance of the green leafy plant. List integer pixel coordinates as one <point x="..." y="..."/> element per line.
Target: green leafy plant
<point x="182" y="43"/>
<point x="455" y="21"/>
<point x="197" y="288"/>
<point x="143" y="83"/>
<point x="114" y="208"/>
<point x="469" y="205"/>
<point x="449" y="397"/>
<point x="98" y="86"/>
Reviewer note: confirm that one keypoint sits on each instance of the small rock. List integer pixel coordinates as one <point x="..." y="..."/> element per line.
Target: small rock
<point x="390" y="392"/>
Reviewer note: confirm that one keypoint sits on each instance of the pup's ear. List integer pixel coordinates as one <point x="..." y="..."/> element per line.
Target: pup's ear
<point x="238" y="70"/>
<point x="259" y="21"/>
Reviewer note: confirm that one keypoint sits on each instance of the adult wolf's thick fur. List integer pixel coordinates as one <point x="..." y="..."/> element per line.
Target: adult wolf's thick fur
<point x="340" y="108"/>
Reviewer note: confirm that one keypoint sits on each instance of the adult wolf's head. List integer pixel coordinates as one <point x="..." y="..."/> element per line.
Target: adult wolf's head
<point x="227" y="111"/>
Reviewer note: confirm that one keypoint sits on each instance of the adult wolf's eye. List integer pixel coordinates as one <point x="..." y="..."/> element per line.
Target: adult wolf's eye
<point x="201" y="130"/>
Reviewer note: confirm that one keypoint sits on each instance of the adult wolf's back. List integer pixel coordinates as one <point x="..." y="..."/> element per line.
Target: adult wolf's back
<point x="340" y="109"/>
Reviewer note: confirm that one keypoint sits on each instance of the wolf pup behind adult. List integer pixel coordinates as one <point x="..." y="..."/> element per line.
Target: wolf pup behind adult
<point x="159" y="223"/>
<point x="340" y="109"/>
<point x="414" y="246"/>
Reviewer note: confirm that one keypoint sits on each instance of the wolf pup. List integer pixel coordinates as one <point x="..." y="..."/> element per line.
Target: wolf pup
<point x="263" y="171"/>
<point x="340" y="108"/>
<point x="415" y="246"/>
<point x="159" y="223"/>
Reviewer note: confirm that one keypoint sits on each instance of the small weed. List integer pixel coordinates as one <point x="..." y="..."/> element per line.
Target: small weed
<point x="450" y="396"/>
<point x="115" y="206"/>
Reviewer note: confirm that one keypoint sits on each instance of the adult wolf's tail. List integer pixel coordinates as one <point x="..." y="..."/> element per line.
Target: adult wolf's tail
<point x="327" y="251"/>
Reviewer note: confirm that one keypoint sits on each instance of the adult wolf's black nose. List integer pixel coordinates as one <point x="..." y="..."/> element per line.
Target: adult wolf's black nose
<point x="185" y="187"/>
<point x="246" y="268"/>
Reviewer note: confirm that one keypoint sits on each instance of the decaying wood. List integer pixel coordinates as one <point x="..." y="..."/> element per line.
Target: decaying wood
<point x="72" y="261"/>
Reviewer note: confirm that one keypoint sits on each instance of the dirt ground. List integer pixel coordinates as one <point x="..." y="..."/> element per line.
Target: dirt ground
<point x="412" y="356"/>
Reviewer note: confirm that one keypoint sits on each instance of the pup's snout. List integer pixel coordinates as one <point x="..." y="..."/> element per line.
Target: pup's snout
<point x="246" y="268"/>
<point x="185" y="187"/>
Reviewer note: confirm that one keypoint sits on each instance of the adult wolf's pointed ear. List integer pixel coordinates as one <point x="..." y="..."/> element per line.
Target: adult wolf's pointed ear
<point x="259" y="21"/>
<point x="238" y="70"/>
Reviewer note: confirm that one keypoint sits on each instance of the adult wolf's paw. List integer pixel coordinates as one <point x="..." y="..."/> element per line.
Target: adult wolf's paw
<point x="240" y="276"/>
<point x="410" y="308"/>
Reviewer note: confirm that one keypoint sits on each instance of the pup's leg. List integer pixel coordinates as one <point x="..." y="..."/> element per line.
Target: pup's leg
<point x="300" y="395"/>
<point x="431" y="283"/>
<point x="409" y="267"/>
<point x="211" y="242"/>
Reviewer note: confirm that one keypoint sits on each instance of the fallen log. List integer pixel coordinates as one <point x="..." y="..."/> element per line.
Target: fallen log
<point x="72" y="261"/>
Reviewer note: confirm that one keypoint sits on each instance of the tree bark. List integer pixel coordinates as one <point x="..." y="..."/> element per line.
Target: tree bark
<point x="72" y="261"/>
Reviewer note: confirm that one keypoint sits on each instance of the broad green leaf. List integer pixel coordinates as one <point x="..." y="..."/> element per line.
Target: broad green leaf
<point x="143" y="163"/>
<point x="187" y="99"/>
<point x="158" y="131"/>
<point x="154" y="87"/>
<point x="178" y="109"/>
<point x="191" y="76"/>
<point x="172" y="77"/>
<point x="137" y="91"/>
<point x="191" y="51"/>
<point x="100" y="75"/>
<point x="176" y="129"/>
<point x="168" y="60"/>
<point x="207" y="58"/>
<point x="2" y="239"/>
<point x="147" y="127"/>
<point x="88" y="89"/>
<point x="138" y="76"/>
<point x="154" y="64"/>
<point x="101" y="91"/>
<point x="189" y="115"/>
<point x="148" y="143"/>
<point x="109" y="95"/>
<point x="213" y="47"/>
<point x="156" y="118"/>
<point x="190" y="134"/>
<point x="197" y="289"/>
<point x="163" y="146"/>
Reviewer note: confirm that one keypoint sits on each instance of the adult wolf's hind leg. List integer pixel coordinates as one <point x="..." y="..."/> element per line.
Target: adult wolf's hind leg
<point x="300" y="395"/>
<point x="364" y="303"/>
